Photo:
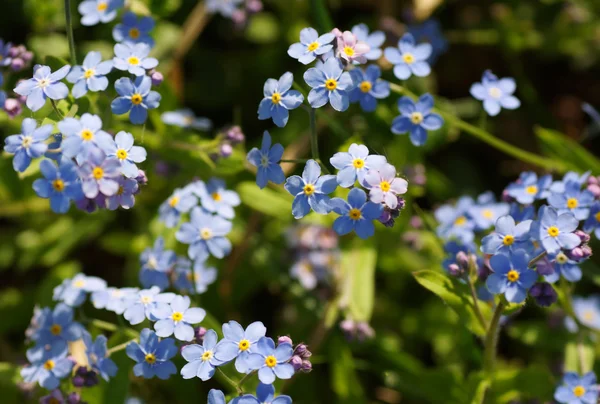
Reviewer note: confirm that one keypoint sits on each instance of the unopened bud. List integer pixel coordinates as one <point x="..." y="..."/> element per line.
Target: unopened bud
<point x="302" y="351"/>
<point x="306" y="366"/>
<point x="284" y="339"/>
<point x="199" y="334"/>
<point x="225" y="150"/>
<point x="583" y="236"/>
<point x="543" y="293"/>
<point x="296" y="362"/>
<point x="157" y="78"/>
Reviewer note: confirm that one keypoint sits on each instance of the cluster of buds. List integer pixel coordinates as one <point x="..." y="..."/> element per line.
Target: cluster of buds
<point x="240" y="16"/>
<point x="388" y="216"/>
<point x="543" y="294"/>
<point x="18" y="57"/>
<point x="301" y="358"/>
<point x="84" y="377"/>
<point x="462" y="264"/>
<point x="583" y="251"/>
<point x="231" y="137"/>
<point x="357" y="330"/>
<point x="416" y="174"/>
<point x="593" y="185"/>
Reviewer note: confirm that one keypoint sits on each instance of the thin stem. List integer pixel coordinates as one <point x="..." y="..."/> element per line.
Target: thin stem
<point x="59" y="150"/>
<point x="314" y="144"/>
<point x="244" y="379"/>
<point x="105" y="325"/>
<point x="536" y="259"/>
<point x="580" y="353"/>
<point x="293" y="160"/>
<point x="491" y="340"/>
<point x="478" y="313"/>
<point x="60" y="116"/>
<point x="69" y="21"/>
<point x="231" y="382"/>
<point x="119" y="347"/>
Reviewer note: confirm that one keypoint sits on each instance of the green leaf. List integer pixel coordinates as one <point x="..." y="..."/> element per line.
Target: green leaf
<point x="50" y="44"/>
<point x="566" y="150"/>
<point x="455" y="295"/>
<point x="267" y="201"/>
<point x="344" y="381"/>
<point x="579" y="356"/>
<point x="477" y="387"/>
<point x="358" y="290"/>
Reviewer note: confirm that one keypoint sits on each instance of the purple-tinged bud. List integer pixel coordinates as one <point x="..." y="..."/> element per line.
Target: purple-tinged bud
<point x="364" y="331"/>
<point x="593" y="180"/>
<point x="225" y="150"/>
<point x="21" y="98"/>
<point x="302" y="351"/>
<point x="284" y="339"/>
<point x="235" y="135"/>
<point x="483" y="271"/>
<point x="385" y="217"/>
<point x="254" y="6"/>
<point x="579" y="253"/>
<point x="296" y="362"/>
<point x="78" y="381"/>
<point x="27" y="56"/>
<point x="157" y="78"/>
<point x="416" y="222"/>
<point x="141" y="179"/>
<point x="462" y="259"/>
<point x="17" y="64"/>
<point x="454" y="270"/>
<point x="13" y="107"/>
<point x="199" y="333"/>
<point x="543" y="293"/>
<point x="506" y="197"/>
<point x="583" y="236"/>
<point x="306" y="366"/>
<point x="74" y="398"/>
<point x="239" y="17"/>
<point x="348" y="327"/>
<point x="594" y="189"/>
<point x="336" y="32"/>
<point x="545" y="267"/>
<point x="401" y="204"/>
<point x="91" y="379"/>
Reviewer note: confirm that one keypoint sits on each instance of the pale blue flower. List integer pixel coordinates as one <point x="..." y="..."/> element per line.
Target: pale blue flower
<point x="176" y="318"/>
<point x="185" y="118"/>
<point x="43" y="85"/>
<point x="508" y="237"/>
<point x="91" y="75"/>
<point x="140" y="305"/>
<point x="369" y="87"/>
<point x="215" y="198"/>
<point x="354" y="164"/>
<point x="47" y="367"/>
<point x="156" y="264"/>
<point x="82" y="135"/>
<point x="529" y="188"/>
<point x="495" y="94"/>
<point x="554" y="231"/>
<point x="238" y="343"/>
<point x="279" y="99"/>
<point x="416" y="118"/>
<point x="271" y="362"/>
<point x="74" y="291"/>
<point x="375" y="40"/>
<point x="193" y="279"/>
<point x="310" y="191"/>
<point x="122" y="148"/>
<point x="511" y="276"/>
<point x="409" y="58"/>
<point x="181" y="201"/>
<point x="205" y="234"/>
<point x="153" y="356"/>
<point x="357" y="214"/>
<point x="265" y="393"/>
<point x="202" y="359"/>
<point x="577" y="390"/>
<point x="329" y="83"/>
<point x="134" y="58"/>
<point x="311" y="45"/>
<point x="135" y="98"/>
<point x="134" y="29"/>
<point x="98" y="356"/>
<point x="573" y="200"/>
<point x="27" y="145"/>
<point x="60" y="184"/>
<point x="95" y="11"/>
<point x="266" y="160"/>
<point x="225" y="7"/>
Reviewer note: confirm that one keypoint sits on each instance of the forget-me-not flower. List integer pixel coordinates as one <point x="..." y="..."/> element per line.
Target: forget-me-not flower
<point x="571" y="176"/>
<point x="216" y="397"/>
<point x="511" y="276"/>
<point x="44" y="84"/>
<point x="225" y="7"/>
<point x="239" y="343"/>
<point x="60" y="184"/>
<point x="153" y="356"/>
<point x="486" y="212"/>
<point x="205" y="234"/>
<point x="28" y="144"/>
<point x="134" y="58"/>
<point x="354" y="164"/>
<point x="565" y="267"/>
<point x="369" y="87"/>
<point x="57" y="326"/>
<point x="271" y="362"/>
<point x="181" y="201"/>
<point x="455" y="221"/>
<point x="156" y="262"/>
<point x="375" y="39"/>
<point x="357" y="214"/>
<point x="97" y="356"/>
<point x="351" y="49"/>
<point x="134" y="29"/>
<point x="593" y="221"/>
<point x="193" y="279"/>
<point x="74" y="291"/>
<point x="176" y="319"/>
<point x="122" y="148"/>
<point x="495" y="94"/>
<point x="5" y="54"/>
<point x="555" y="231"/>
<point x="508" y="236"/>
<point x="215" y="198"/>
<point x="416" y="118"/>
<point x="136" y="98"/>
<point x="125" y="195"/>
<point x="140" y="305"/>
<point x="279" y="99"/>
<point x="384" y="186"/>
<point x="265" y="393"/>
<point x="528" y="187"/>
<point x="91" y="75"/>
<point x="311" y="45"/>
<point x="95" y="11"/>
<point x="430" y="31"/>
<point x="185" y="118"/>
<point x="587" y="311"/>
<point x="409" y="58"/>
<point x="310" y="191"/>
<point x="99" y="175"/>
<point x="47" y="368"/>
<point x="81" y="135"/>
<point x="113" y="299"/>
<point x="201" y="358"/>
<point x="577" y="390"/>
<point x="266" y="160"/>
<point x="573" y="200"/>
<point x="329" y="83"/>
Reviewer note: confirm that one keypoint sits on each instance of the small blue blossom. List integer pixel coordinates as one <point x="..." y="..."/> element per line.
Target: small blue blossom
<point x="354" y="164"/>
<point x="99" y="175"/>
<point x="28" y="144"/>
<point x="140" y="305"/>
<point x="266" y="160"/>
<point x="357" y="214"/>
<point x="571" y="176"/>
<point x="271" y="362"/>
<point x="572" y="200"/>
<point x="216" y="397"/>
<point x="265" y="393"/>
<point x="134" y="58"/>
<point x="202" y="358"/>
<point x="97" y="356"/>
<point x="508" y="237"/>
<point x="577" y="390"/>
<point x="47" y="368"/>
<point x="193" y="279"/>
<point x="176" y="319"/>
<point x="214" y="198"/>
<point x="5" y="54"/>
<point x="311" y="45"/>
<point x="521" y="213"/>
<point x="587" y="311"/>
<point x="153" y="356"/>
<point x="565" y="267"/>
<point x="309" y="270"/>
<point x="455" y="221"/>
<point x="554" y="231"/>
<point x="374" y="40"/>
<point x="113" y="299"/>
<point x="136" y="98"/>
<point x="122" y="148"/>
<point x="60" y="184"/>
<point x="369" y="87"/>
<point x="409" y="58"/>
<point x="279" y="99"/>
<point x="205" y="234"/>
<point x="225" y="7"/>
<point x="74" y="291"/>
<point x="511" y="276"/>
<point x="43" y="85"/>
<point x="125" y="196"/>
<point x="57" y="327"/>
<point x="495" y="93"/>
<point x="416" y="118"/>
<point x="310" y="191"/>
<point x="156" y="264"/>
<point x="529" y="188"/>
<point x="91" y="76"/>
<point x="82" y="135"/>
<point x="134" y="29"/>
<point x="593" y="221"/>
<point x="181" y="201"/>
<point x="185" y="118"/>
<point x="238" y="343"/>
<point x="95" y="11"/>
<point x="329" y="83"/>
<point x="487" y="211"/>
<point x="430" y="31"/>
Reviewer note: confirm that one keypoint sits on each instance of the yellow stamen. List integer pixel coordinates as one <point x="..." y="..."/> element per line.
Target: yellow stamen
<point x="49" y="364"/>
<point x="150" y="358"/>
<point x="508" y="240"/>
<point x="358" y="163"/>
<point x="216" y="196"/>
<point x="136" y="99"/>
<point x="177" y="316"/>
<point x="87" y="135"/>
<point x="56" y="329"/>
<point x="276" y="98"/>
<point x="331" y="84"/>
<point x="173" y="201"/>
<point x="365" y="86"/>
<point x="309" y="189"/>
<point x="89" y="73"/>
<point x="58" y="185"/>
<point x="244" y="345"/>
<point x="133" y="60"/>
<point x="385" y="186"/>
<point x="408" y="58"/>
<point x="134" y="33"/>
<point x="531" y="190"/>
<point x="416" y="118"/>
<point x="121" y="154"/>
<point x="512" y="275"/>
<point x="98" y="173"/>
<point x="355" y="214"/>
<point x="271" y="361"/>
<point x="572" y="203"/>
<point x="207" y="355"/>
<point x="313" y="46"/>
<point x="553" y="231"/>
<point x="205" y="233"/>
<point x="579" y="391"/>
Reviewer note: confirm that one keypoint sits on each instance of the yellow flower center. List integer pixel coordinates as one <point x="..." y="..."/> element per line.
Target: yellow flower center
<point x="270" y="361"/>
<point x="150" y="358"/>
<point x="27" y="141"/>
<point x="136" y="99"/>
<point x="264" y="161"/>
<point x="207" y="355"/>
<point x="121" y="154"/>
<point x="531" y="190"/>
<point x="275" y="98"/>
<point x="56" y="329"/>
<point x="508" y="240"/>
<point x="588" y="315"/>
<point x="43" y="83"/>
<point x="562" y="258"/>
<point x="98" y="173"/>
<point x="331" y="84"/>
<point x="133" y="60"/>
<point x="358" y="163"/>
<point x="87" y="135"/>
<point x="102" y="6"/>
<point x="49" y="364"/>
<point x="58" y="185"/>
<point x="385" y="186"/>
<point x="416" y="118"/>
<point x="216" y="196"/>
<point x="244" y="345"/>
<point x="205" y="233"/>
<point x="177" y="316"/>
<point x="309" y="189"/>
<point x="365" y="86"/>
<point x="313" y="46"/>
<point x="460" y="221"/>
<point x="349" y="51"/>
<point x="53" y="400"/>
<point x="579" y="391"/>
<point x="553" y="231"/>
<point x="495" y="92"/>
<point x="79" y="284"/>
<point x="134" y="33"/>
<point x="408" y="58"/>
<point x="89" y="73"/>
<point x="597" y="216"/>
<point x="146" y="299"/>
<point x="572" y="203"/>
<point x="355" y="214"/>
<point x="488" y="214"/>
<point x="120" y="190"/>
<point x="173" y="201"/>
<point x="512" y="275"/>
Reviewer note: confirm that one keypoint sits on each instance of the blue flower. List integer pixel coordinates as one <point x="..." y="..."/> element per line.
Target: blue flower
<point x="587" y="311"/>
<point x="216" y="397"/>
<point x="309" y="270"/>
<point x="573" y="200"/>
<point x="593" y="221"/>
<point x="511" y="276"/>
<point x="134" y="58"/>
<point x="99" y="175"/>
<point x="369" y="87"/>
<point x="152" y="356"/>
<point x="82" y="135"/>
<point x="416" y="118"/>
<point x="487" y="210"/>
<point x="74" y="291"/>
<point x="555" y="231"/>
<point x="156" y="264"/>
<point x="265" y="393"/>
<point x="98" y="358"/>
<point x="44" y="84"/>
<point x="193" y="280"/>
<point x="279" y="99"/>
<point x="266" y="160"/>
<point x="455" y="221"/>
<point x="205" y="234"/>
<point x="60" y="184"/>
<point x="125" y="196"/>
<point x="216" y="199"/>
<point x="408" y="58"/>
<point x="310" y="191"/>
<point x="577" y="390"/>
<point x="384" y="187"/>
<point x="239" y="343"/>
<point x="185" y="118"/>
<point x="508" y="237"/>
<point x="95" y="11"/>
<point x="311" y="45"/>
<point x="564" y="266"/>
<point x="271" y="362"/>
<point x="140" y="305"/>
<point x="202" y="359"/>
<point x="528" y="188"/>
<point x="57" y="327"/>
<point x="357" y="214"/>
<point x="374" y="40"/>
<point x="430" y="31"/>
<point x="113" y="299"/>
<point x="122" y="148"/>
<point x="47" y="367"/>
<point x="27" y="145"/>
<point x="225" y="7"/>
<point x="354" y="164"/>
<point x="521" y="213"/>
<point x="5" y="54"/>
<point x="571" y="176"/>
<point x="91" y="75"/>
<point x="176" y="319"/>
<point x="495" y="93"/>
<point x="134" y="30"/>
<point x="452" y="248"/>
<point x="330" y="84"/>
<point x="135" y="98"/>
<point x="181" y="201"/>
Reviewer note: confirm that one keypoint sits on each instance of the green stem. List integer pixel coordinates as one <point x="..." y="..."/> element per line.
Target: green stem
<point x="69" y="21"/>
<point x="478" y="313"/>
<point x="293" y="160"/>
<point x="491" y="341"/>
<point x="105" y="325"/>
<point x="119" y="347"/>
<point x="314" y="144"/>
<point x="244" y="379"/>
<point x="536" y="259"/>
<point x="231" y="382"/>
<point x="60" y="116"/>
